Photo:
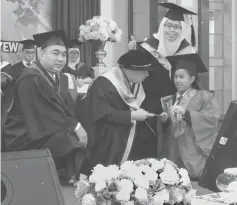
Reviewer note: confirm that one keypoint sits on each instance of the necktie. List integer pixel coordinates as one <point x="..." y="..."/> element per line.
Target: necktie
<point x="56" y="79"/>
<point x="28" y="64"/>
<point x="178" y="102"/>
<point x="179" y="99"/>
<point x="133" y="88"/>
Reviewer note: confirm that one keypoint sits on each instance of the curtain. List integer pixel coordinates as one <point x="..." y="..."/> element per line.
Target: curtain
<point x="69" y="15"/>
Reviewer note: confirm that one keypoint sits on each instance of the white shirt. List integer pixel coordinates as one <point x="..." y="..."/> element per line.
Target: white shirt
<point x="52" y="75"/>
<point x="25" y="63"/>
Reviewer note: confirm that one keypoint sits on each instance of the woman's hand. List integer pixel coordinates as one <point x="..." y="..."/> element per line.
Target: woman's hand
<point x="132" y="45"/>
<point x="163" y="116"/>
<point x="88" y="80"/>
<point x="178" y="109"/>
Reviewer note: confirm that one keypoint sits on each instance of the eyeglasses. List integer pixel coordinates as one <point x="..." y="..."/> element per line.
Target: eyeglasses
<point x="30" y="53"/>
<point x="74" y="52"/>
<point x="175" y="27"/>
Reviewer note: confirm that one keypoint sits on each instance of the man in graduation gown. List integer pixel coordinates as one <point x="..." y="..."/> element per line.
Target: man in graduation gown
<point x="28" y="51"/>
<point x="112" y="110"/>
<point x="38" y="116"/>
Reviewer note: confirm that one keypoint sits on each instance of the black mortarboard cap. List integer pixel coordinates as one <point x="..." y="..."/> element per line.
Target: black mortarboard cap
<point x="138" y="60"/>
<point x="191" y="62"/>
<point x="175" y="12"/>
<point x="74" y="43"/>
<point x="151" y="41"/>
<point x="27" y="44"/>
<point x="51" y="38"/>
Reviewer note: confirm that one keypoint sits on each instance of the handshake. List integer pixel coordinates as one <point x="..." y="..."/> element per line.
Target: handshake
<point x="81" y="82"/>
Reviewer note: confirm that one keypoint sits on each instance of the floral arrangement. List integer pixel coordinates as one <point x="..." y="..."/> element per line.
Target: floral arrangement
<point x="100" y="28"/>
<point x="147" y="181"/>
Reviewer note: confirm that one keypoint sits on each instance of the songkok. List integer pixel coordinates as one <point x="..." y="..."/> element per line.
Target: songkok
<point x="138" y="60"/>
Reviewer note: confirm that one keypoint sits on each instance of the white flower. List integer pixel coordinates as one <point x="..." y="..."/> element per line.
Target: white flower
<point x="88" y="199"/>
<point x="150" y="174"/>
<point x="141" y="195"/>
<point x="113" y="171"/>
<point x="141" y="181"/>
<point x="189" y="196"/>
<point x="101" y="173"/>
<point x="185" y="180"/>
<point x="156" y="165"/>
<point x="176" y="195"/>
<point x="100" y="28"/>
<point x="232" y="186"/>
<point x="82" y="187"/>
<point x="130" y="170"/>
<point x="169" y="175"/>
<point x="161" y="197"/>
<point x="112" y="26"/>
<point x="122" y="197"/>
<point x="100" y="186"/>
<point x="126" y="185"/>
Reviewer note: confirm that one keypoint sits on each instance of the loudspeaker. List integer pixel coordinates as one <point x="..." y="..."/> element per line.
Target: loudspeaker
<point x="224" y="152"/>
<point x="29" y="177"/>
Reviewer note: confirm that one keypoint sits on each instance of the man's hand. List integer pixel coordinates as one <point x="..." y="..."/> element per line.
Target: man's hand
<point x="163" y="116"/>
<point x="80" y="82"/>
<point x="132" y="45"/>
<point x="140" y="115"/>
<point x="82" y="135"/>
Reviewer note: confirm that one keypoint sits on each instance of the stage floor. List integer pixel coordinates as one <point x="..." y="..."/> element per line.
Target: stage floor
<point x="70" y="199"/>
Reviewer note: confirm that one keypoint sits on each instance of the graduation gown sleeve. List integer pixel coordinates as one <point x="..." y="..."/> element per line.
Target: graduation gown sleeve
<point x="42" y="109"/>
<point x="16" y="70"/>
<point x="204" y="121"/>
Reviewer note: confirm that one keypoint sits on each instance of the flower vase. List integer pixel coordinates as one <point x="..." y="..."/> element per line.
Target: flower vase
<point x="100" y="54"/>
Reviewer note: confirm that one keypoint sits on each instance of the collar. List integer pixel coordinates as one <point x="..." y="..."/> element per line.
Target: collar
<point x="25" y="63"/>
<point x="52" y="75"/>
<point x="72" y="65"/>
<point x="178" y="94"/>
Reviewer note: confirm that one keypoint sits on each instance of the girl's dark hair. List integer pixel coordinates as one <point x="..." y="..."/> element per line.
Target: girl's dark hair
<point x="195" y="84"/>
